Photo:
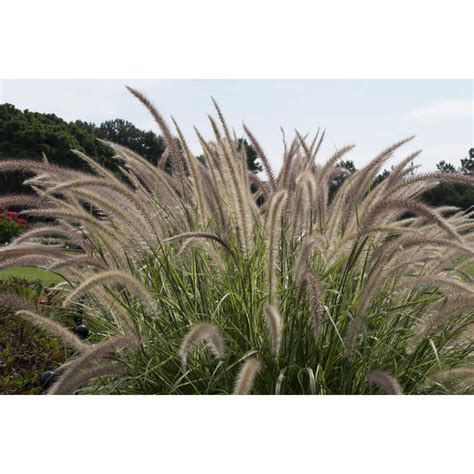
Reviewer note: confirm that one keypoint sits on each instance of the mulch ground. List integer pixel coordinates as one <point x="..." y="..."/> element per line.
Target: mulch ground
<point x="25" y="353"/>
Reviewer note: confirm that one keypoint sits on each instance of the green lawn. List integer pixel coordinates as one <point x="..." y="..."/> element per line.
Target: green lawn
<point x="30" y="273"/>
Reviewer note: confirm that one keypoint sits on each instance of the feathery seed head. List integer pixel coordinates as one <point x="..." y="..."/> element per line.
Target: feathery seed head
<point x="246" y="377"/>
<point x="385" y="381"/>
<point x="274" y="323"/>
<point x="205" y="332"/>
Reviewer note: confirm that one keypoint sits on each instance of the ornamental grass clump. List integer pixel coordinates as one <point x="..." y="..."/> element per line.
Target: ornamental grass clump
<point x="197" y="276"/>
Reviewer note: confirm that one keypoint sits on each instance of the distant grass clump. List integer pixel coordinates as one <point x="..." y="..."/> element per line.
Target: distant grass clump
<point x="201" y="278"/>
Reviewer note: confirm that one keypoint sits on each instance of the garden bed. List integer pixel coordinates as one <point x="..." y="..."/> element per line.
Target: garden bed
<point x="26" y="351"/>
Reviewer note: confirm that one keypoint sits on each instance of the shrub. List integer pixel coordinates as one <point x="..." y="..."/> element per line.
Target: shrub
<point x="208" y="279"/>
<point x="10" y="225"/>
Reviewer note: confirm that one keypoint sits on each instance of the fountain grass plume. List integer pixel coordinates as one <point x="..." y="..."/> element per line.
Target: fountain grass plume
<point x="274" y="323"/>
<point x="84" y="376"/>
<point x="304" y="256"/>
<point x="273" y="240"/>
<point x="74" y="370"/>
<point x="175" y="153"/>
<point x="113" y="276"/>
<point x="205" y="235"/>
<point x="205" y="332"/>
<point x="246" y="376"/>
<point x="54" y="329"/>
<point x="385" y="381"/>
<point x="313" y="291"/>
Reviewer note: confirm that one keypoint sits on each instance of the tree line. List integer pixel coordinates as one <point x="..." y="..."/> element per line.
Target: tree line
<point x="444" y="194"/>
<point x="26" y="134"/>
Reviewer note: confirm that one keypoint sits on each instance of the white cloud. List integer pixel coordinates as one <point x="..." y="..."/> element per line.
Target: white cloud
<point x="442" y="111"/>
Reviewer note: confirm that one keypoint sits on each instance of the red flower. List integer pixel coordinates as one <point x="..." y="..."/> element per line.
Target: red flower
<point x="12" y="215"/>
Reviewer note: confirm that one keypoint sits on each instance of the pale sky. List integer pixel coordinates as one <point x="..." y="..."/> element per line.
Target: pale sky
<point x="372" y="114"/>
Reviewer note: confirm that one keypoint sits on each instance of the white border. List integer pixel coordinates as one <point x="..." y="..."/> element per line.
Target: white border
<point x="207" y="434"/>
<point x="142" y="39"/>
<point x="236" y="39"/>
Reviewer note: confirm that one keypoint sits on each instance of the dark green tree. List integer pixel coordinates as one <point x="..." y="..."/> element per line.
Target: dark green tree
<point x="450" y="194"/>
<point x="338" y="180"/>
<point x="467" y="164"/>
<point x="25" y="134"/>
<point x="147" y="144"/>
<point x="380" y="177"/>
<point x="253" y="162"/>
<point x="446" y="167"/>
